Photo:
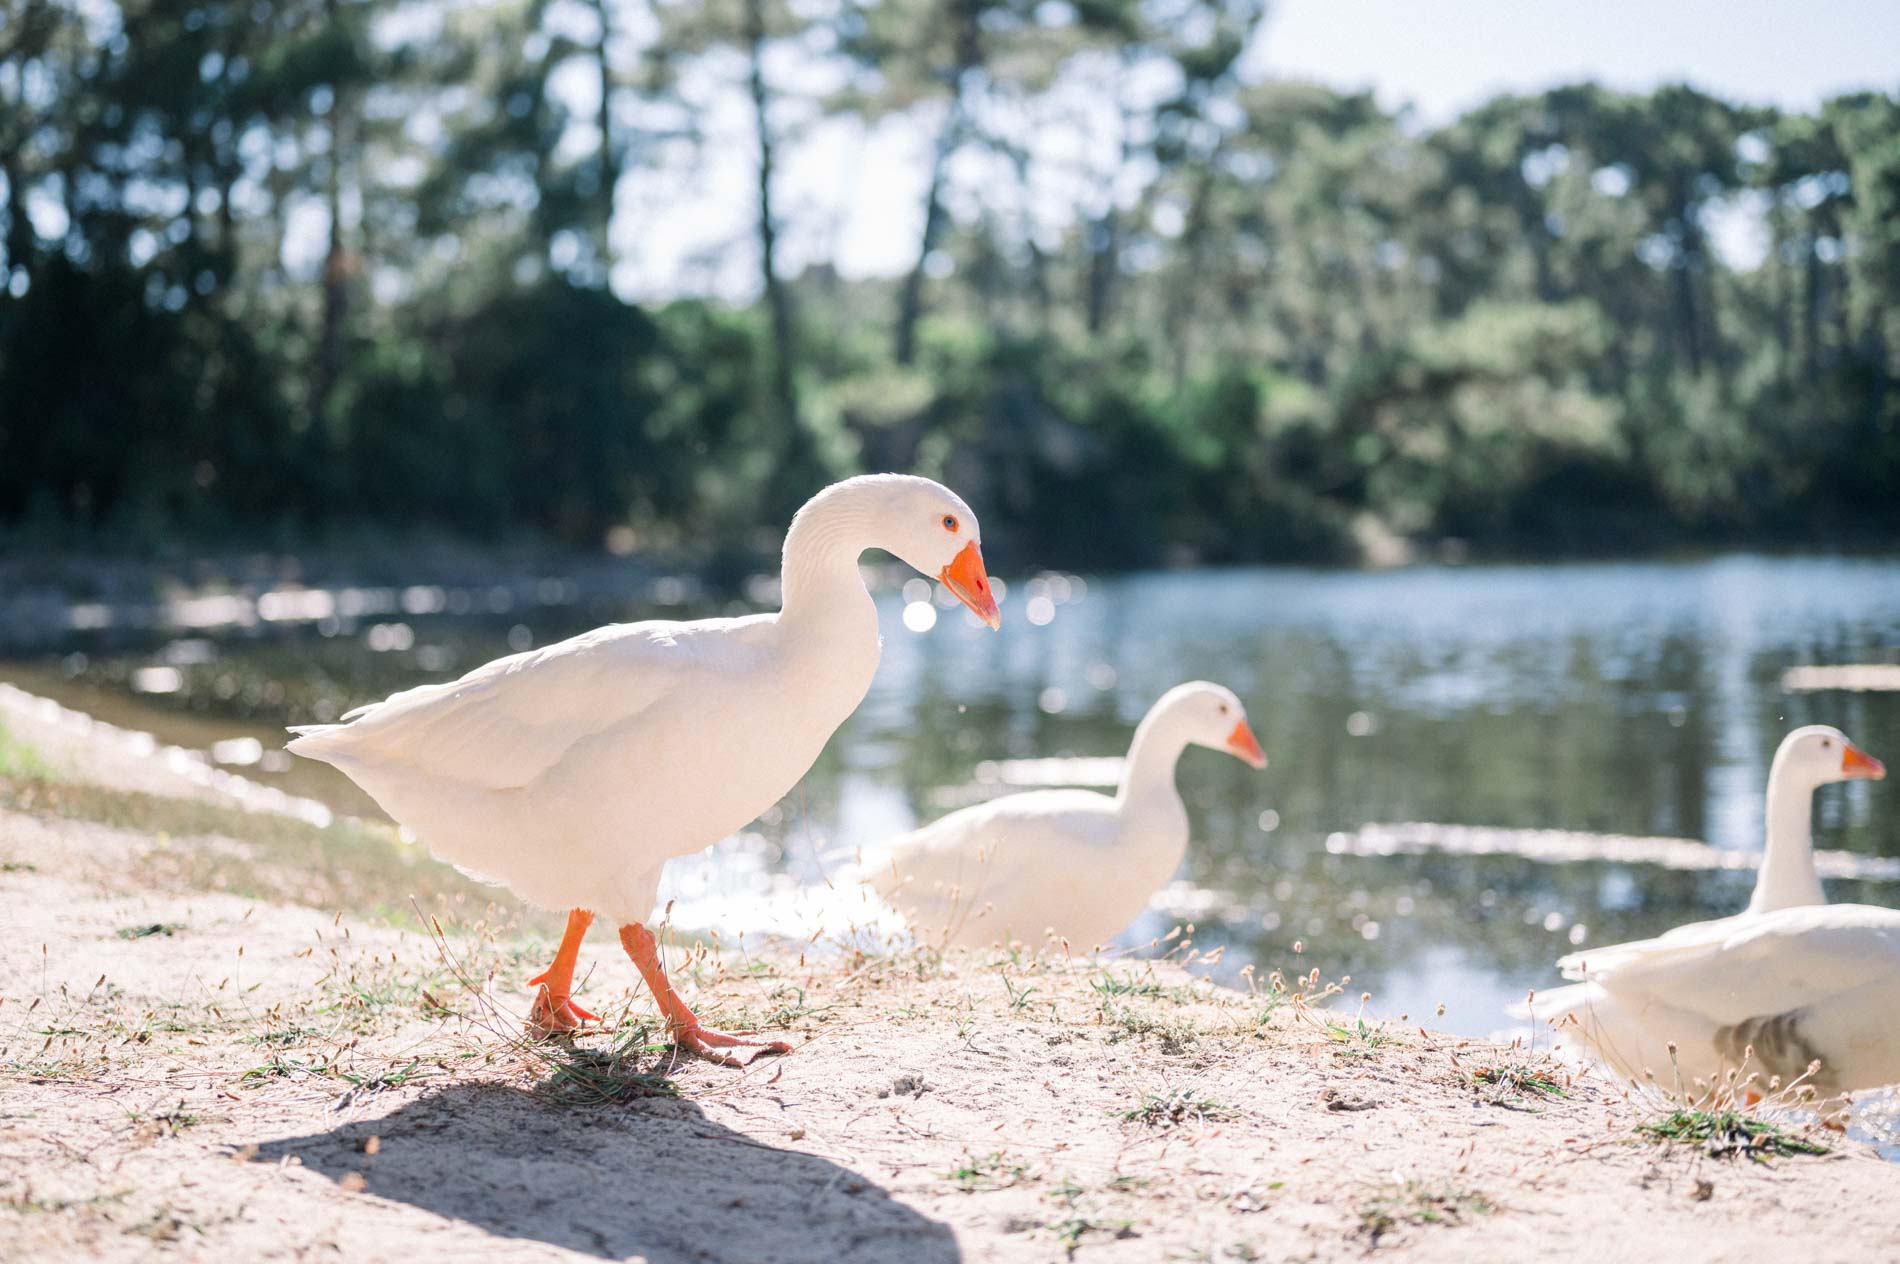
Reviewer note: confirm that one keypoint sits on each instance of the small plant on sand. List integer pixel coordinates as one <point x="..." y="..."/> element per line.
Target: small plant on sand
<point x="1727" y="1133"/>
<point x="625" y="1071"/>
<point x="1108" y="984"/>
<point x="1071" y="1228"/>
<point x="1018" y="996"/>
<point x="1725" y="1120"/>
<point x="1415" y="1202"/>
<point x="1176" y="1106"/>
<point x="1358" y="1039"/>
<point x="1513" y="1080"/>
<point x="1174" y="1034"/>
<point x="792" y="1007"/>
<point x="995" y="1170"/>
<point x="147" y="930"/>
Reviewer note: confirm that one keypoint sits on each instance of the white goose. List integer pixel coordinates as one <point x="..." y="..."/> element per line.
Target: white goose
<point x="571" y="774"/>
<point x="1079" y="863"/>
<point x="1794" y="979"/>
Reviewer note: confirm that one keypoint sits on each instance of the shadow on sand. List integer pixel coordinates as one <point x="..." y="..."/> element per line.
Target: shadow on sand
<point x="654" y="1179"/>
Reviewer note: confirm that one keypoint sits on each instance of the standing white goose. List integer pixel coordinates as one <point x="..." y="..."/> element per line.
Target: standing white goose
<point x="571" y="774"/>
<point x="1793" y="978"/>
<point x="1079" y="863"/>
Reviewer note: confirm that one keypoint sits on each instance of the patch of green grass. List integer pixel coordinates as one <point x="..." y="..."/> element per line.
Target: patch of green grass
<point x="1415" y="1202"/>
<point x="365" y="868"/>
<point x="169" y="1123"/>
<point x="18" y="866"/>
<point x="1514" y="1084"/>
<point x="1727" y="1134"/>
<point x="1177" y="1106"/>
<point x="1108" y="984"/>
<point x="21" y="761"/>
<point x="146" y="930"/>
<point x="995" y="1170"/>
<point x="625" y="1071"/>
<point x="792" y="1007"/>
<point x="1018" y="996"/>
<point x="1073" y="1227"/>
<point x="1359" y="1039"/>
<point x="1174" y="1034"/>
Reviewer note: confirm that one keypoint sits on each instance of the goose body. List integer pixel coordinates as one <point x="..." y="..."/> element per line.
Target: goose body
<point x="1789" y="981"/>
<point x="1073" y="862"/>
<point x="571" y="774"/>
<point x="1763" y="992"/>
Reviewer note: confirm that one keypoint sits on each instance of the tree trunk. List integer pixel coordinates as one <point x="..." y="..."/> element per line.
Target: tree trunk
<point x="969" y="55"/>
<point x="1104" y="245"/>
<point x="335" y="273"/>
<point x="778" y="300"/>
<point x="910" y="304"/>
<point x="608" y="161"/>
<point x="20" y="235"/>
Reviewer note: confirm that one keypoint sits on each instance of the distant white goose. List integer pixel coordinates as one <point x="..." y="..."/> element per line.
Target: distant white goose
<point x="1793" y="978"/>
<point x="572" y="773"/>
<point x="1079" y="863"/>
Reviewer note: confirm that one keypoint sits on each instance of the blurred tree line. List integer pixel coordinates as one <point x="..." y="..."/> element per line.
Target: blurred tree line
<point x="1246" y="320"/>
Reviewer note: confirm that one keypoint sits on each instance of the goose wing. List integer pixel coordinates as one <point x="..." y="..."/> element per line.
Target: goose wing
<point x="507" y="722"/>
<point x="1004" y="852"/>
<point x="1756" y="964"/>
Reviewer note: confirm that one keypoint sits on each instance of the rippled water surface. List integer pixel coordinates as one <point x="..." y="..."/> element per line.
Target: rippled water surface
<point x="1625" y="699"/>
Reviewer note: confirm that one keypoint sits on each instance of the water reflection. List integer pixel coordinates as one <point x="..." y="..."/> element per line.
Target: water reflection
<point x="1630" y="699"/>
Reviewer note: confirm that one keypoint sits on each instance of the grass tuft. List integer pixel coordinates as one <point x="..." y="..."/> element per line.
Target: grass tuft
<point x="1176" y="1106"/>
<point x="147" y="930"/>
<point x="995" y="1170"/>
<point x="625" y="1071"/>
<point x="1415" y="1202"/>
<point x="1727" y="1133"/>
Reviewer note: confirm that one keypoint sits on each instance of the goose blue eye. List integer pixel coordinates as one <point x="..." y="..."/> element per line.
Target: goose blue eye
<point x="949" y="522"/>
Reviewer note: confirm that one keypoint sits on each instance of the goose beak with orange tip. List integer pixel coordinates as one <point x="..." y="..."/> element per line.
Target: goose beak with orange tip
<point x="1242" y="745"/>
<point x="966" y="578"/>
<point x="1856" y="762"/>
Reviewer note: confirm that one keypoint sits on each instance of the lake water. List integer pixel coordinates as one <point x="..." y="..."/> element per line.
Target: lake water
<point x="1611" y="700"/>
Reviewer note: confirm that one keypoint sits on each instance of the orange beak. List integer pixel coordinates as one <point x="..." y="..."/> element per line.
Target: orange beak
<point x="1856" y="762"/>
<point x="1242" y="744"/>
<point x="966" y="578"/>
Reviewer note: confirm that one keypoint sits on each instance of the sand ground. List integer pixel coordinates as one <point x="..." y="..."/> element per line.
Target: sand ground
<point x="218" y="1041"/>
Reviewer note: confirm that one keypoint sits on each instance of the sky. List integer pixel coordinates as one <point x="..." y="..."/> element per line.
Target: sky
<point x="1443" y="56"/>
<point x="852" y="196"/>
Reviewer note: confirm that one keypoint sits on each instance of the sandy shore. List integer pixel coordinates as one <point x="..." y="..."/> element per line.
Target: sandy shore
<point x="220" y="1039"/>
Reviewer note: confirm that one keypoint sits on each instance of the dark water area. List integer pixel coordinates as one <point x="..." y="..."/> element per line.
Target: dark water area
<point x="1609" y="699"/>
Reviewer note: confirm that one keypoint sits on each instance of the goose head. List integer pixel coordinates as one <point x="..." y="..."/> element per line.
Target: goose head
<point x="928" y="527"/>
<point x="1207" y="714"/>
<point x="1820" y="754"/>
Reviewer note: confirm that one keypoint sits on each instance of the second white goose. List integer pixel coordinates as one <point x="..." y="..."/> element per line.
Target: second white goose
<point x="1073" y="862"/>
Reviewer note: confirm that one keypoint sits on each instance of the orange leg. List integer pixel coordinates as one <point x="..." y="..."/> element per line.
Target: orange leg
<point x="681" y="1023"/>
<point x="554" y="1007"/>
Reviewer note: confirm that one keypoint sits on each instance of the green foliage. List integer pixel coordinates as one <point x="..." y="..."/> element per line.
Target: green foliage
<point x="1285" y="320"/>
<point x="20" y="761"/>
<point x="1727" y="1134"/>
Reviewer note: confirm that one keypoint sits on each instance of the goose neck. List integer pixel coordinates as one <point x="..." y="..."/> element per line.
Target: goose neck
<point x="819" y="571"/>
<point x="1787" y="878"/>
